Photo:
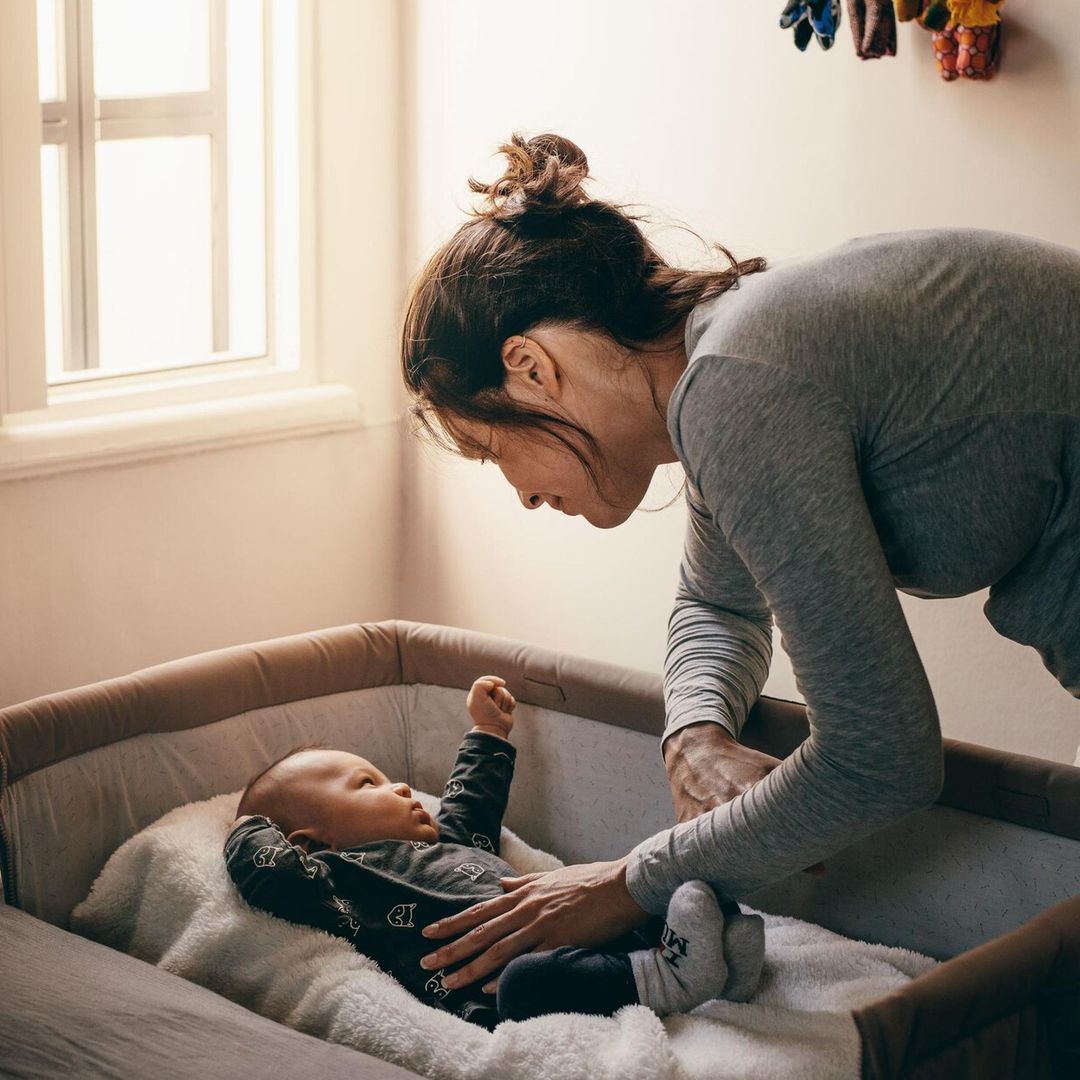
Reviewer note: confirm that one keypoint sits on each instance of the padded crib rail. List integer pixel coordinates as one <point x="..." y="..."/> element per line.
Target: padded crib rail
<point x="1009" y="1008"/>
<point x="197" y="690"/>
<point x="214" y="686"/>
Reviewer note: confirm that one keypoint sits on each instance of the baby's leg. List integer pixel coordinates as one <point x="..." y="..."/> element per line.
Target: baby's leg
<point x="565" y="980"/>
<point x="686" y="968"/>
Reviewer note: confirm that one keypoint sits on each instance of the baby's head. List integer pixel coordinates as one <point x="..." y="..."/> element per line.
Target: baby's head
<point x="329" y="799"/>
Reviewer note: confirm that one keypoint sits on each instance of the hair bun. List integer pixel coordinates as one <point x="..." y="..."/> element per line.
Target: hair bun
<point x="543" y="176"/>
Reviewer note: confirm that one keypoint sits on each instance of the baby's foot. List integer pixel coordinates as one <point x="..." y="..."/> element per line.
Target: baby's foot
<point x="688" y="966"/>
<point x="744" y="951"/>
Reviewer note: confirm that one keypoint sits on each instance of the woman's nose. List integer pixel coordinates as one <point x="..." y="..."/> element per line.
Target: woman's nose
<point x="530" y="501"/>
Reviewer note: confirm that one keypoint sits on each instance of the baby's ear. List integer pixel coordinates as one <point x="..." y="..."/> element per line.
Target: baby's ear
<point x="303" y="839"/>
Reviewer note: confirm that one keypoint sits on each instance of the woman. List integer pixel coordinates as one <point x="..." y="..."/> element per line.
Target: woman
<point x="900" y="412"/>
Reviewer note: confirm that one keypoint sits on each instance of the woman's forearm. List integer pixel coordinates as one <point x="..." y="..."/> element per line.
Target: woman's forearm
<point x="812" y="805"/>
<point x="716" y="664"/>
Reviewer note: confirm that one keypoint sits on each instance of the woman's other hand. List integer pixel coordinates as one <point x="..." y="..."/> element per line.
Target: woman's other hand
<point x="583" y="905"/>
<point x="707" y="767"/>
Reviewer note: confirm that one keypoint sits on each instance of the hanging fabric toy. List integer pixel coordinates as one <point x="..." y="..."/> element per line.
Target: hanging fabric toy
<point x="966" y="34"/>
<point x="873" y="25"/>
<point x="812" y="18"/>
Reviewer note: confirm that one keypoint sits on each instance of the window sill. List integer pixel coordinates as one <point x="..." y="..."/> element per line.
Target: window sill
<point x="42" y="449"/>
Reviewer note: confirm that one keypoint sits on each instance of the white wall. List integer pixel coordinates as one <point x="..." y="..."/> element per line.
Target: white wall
<point x="707" y="113"/>
<point x="104" y="571"/>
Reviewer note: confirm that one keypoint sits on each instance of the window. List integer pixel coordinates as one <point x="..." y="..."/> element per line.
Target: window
<point x="154" y="182"/>
<point x="108" y="377"/>
<point x="165" y="194"/>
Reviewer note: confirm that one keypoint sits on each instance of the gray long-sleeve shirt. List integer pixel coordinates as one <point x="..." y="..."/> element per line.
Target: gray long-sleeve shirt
<point x="899" y="412"/>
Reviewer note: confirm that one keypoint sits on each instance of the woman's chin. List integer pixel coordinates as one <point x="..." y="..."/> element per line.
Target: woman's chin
<point x="606" y="517"/>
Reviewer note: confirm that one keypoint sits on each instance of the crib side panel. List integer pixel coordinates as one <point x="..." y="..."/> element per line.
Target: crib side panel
<point x="1009" y="1008"/>
<point x="582" y="789"/>
<point x="940" y="881"/>
<point x="65" y="820"/>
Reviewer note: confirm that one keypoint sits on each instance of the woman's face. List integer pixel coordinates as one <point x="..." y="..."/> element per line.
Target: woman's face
<point x="544" y="472"/>
<point x="564" y="373"/>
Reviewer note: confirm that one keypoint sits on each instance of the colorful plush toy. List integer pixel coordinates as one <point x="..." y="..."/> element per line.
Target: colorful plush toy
<point x="812" y="18"/>
<point x="873" y="25"/>
<point x="966" y="34"/>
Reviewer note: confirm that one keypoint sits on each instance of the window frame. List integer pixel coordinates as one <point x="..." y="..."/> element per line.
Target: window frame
<point x="26" y="401"/>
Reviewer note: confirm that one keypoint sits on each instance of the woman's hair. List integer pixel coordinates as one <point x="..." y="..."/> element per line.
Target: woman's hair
<point x="538" y="251"/>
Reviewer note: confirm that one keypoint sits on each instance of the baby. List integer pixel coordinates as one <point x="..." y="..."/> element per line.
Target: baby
<point x="324" y="839"/>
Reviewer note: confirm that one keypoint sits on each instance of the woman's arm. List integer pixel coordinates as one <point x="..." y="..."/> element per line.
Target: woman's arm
<point x="782" y="474"/>
<point x="719" y="633"/>
<point x="718" y="656"/>
<point x="717" y="662"/>
<point x="704" y="677"/>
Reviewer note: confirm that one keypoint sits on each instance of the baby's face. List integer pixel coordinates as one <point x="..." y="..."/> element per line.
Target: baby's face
<point x="350" y="802"/>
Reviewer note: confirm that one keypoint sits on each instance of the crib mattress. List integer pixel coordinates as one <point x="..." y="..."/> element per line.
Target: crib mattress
<point x="74" y="1008"/>
<point x="986" y="880"/>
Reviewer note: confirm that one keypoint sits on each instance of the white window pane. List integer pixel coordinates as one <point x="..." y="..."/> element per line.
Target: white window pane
<point x="146" y="47"/>
<point x="54" y="250"/>
<point x="247" y="179"/>
<point x="154" y="259"/>
<point x="50" y="45"/>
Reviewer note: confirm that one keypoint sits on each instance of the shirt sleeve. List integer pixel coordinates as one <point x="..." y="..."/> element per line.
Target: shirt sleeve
<point x="275" y="876"/>
<point x="775" y="457"/>
<point x="720" y="631"/>
<point x="340" y="892"/>
<point x="474" y="799"/>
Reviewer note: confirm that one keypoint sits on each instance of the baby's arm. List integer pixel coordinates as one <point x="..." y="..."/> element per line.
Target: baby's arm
<point x="474" y="799"/>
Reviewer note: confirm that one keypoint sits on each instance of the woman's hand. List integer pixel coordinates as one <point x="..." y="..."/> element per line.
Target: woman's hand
<point x="582" y="905"/>
<point x="707" y="767"/>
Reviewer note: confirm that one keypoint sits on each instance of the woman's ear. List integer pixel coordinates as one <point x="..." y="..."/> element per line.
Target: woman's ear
<point x="532" y="365"/>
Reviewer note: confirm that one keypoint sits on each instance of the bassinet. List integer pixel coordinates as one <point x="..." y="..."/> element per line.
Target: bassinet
<point x="987" y="879"/>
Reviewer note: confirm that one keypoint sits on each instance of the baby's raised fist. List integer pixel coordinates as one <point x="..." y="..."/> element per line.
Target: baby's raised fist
<point x="490" y="704"/>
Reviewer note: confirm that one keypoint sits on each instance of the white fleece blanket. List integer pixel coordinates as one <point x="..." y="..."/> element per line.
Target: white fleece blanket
<point x="166" y="897"/>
